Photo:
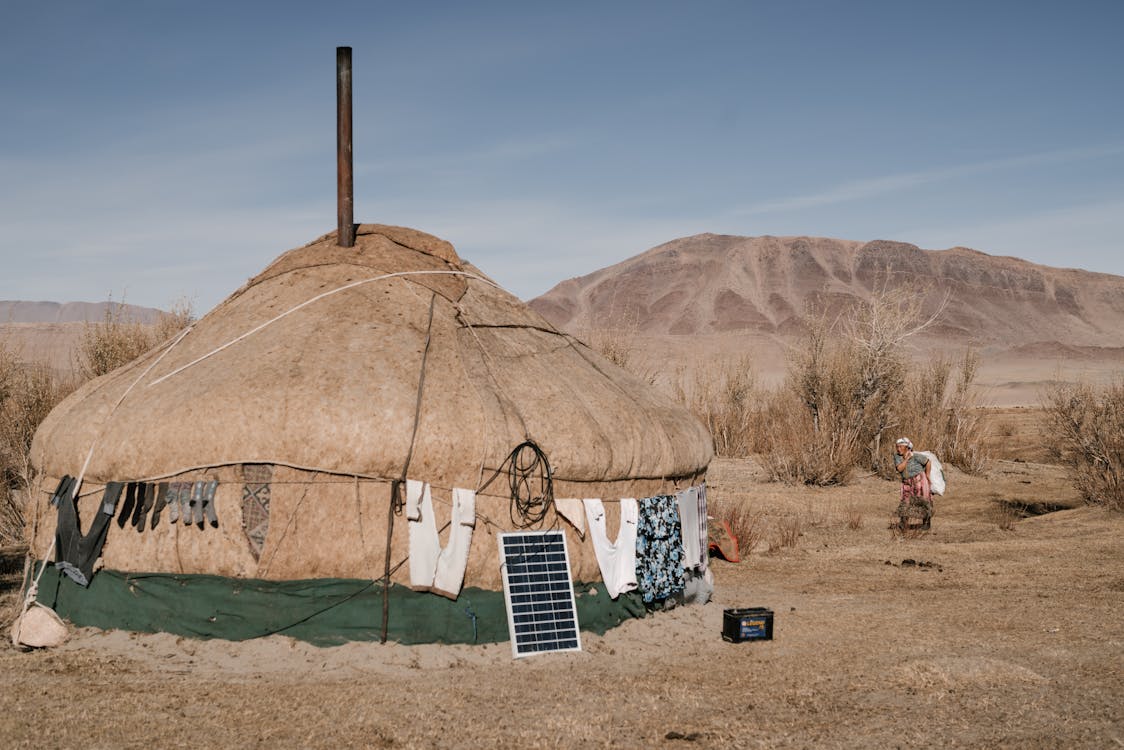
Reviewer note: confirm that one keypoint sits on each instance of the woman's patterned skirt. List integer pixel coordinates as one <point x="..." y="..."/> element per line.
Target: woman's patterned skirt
<point x="916" y="498"/>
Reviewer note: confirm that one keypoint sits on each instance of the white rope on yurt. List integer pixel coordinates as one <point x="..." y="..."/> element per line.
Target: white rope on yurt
<point x="308" y="302"/>
<point x="32" y="591"/>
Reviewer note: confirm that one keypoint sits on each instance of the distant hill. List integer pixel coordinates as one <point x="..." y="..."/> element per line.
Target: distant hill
<point x="708" y="284"/>
<point x="16" y="311"/>
<point x="49" y="331"/>
<point x="721" y="294"/>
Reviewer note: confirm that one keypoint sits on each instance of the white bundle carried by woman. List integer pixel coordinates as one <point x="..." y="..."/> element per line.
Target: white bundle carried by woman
<point x="936" y="474"/>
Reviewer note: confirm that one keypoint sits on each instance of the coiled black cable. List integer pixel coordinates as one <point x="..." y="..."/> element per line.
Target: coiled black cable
<point x="530" y="484"/>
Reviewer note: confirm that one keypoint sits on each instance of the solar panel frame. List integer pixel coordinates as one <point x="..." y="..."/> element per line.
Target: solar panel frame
<point x="542" y="615"/>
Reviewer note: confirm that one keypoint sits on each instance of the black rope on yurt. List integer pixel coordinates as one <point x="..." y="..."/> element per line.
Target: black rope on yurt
<point x="397" y="500"/>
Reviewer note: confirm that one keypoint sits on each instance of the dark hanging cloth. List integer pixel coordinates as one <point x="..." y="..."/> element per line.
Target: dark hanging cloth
<point x="144" y="508"/>
<point x="65" y="488"/>
<point x="138" y="512"/>
<point x="659" y="549"/>
<point x="76" y="554"/>
<point x="129" y="505"/>
<point x="161" y="501"/>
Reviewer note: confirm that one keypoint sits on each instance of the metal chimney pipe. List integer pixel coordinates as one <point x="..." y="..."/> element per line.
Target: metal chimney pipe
<point x="345" y="184"/>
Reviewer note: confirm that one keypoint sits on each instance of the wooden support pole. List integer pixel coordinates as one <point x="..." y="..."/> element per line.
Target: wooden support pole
<point x="345" y="185"/>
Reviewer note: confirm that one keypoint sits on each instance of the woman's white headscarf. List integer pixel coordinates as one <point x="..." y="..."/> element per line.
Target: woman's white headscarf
<point x="906" y="442"/>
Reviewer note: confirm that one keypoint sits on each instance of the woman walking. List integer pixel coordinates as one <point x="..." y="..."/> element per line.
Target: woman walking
<point x="916" y="497"/>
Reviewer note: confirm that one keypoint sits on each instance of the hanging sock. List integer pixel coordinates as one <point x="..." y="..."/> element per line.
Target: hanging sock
<point x="453" y="559"/>
<point x="145" y="499"/>
<point x="186" y="496"/>
<point x="174" y="490"/>
<point x="129" y="505"/>
<point x="161" y="501"/>
<point x="197" y="503"/>
<point x="209" y="503"/>
<point x="185" y="503"/>
<point x="617" y="560"/>
<point x="424" y="545"/>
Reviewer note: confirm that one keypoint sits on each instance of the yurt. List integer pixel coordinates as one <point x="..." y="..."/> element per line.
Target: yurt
<point x="332" y="451"/>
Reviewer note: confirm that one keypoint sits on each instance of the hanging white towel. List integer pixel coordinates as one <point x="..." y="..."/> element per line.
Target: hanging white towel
<point x="704" y="530"/>
<point x="571" y="509"/>
<point x="617" y="560"/>
<point x="453" y="559"/>
<point x="688" y="502"/>
<point x="424" y="545"/>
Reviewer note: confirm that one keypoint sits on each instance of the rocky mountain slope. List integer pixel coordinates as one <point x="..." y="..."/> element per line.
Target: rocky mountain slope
<point x="714" y="284"/>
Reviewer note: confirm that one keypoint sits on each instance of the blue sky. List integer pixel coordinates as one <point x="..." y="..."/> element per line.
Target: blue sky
<point x="170" y="149"/>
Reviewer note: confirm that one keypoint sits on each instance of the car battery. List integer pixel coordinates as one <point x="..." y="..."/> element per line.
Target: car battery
<point x="747" y="624"/>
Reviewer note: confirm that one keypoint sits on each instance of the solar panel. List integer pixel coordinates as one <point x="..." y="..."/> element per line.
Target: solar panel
<point x="541" y="616"/>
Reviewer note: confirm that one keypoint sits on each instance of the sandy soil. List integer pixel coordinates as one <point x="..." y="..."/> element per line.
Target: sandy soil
<point x="1008" y="633"/>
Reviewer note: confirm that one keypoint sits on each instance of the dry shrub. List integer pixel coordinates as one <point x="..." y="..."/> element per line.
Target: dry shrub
<point x="787" y="531"/>
<point x="850" y="384"/>
<point x="119" y="339"/>
<point x="1085" y="432"/>
<point x="726" y="398"/>
<point x="747" y="525"/>
<point x="803" y="446"/>
<point x="815" y="515"/>
<point x="615" y="345"/>
<point x="1004" y="515"/>
<point x="846" y="377"/>
<point x="946" y="420"/>
<point x="620" y="346"/>
<point x="170" y="323"/>
<point x="27" y="393"/>
<point x="853" y="517"/>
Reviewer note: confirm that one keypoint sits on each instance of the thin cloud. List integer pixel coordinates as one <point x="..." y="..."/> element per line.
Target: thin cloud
<point x="869" y="188"/>
<point x="1087" y="233"/>
<point x="493" y="155"/>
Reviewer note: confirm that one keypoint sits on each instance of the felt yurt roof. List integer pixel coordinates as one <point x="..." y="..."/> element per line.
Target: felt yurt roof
<point x="316" y="363"/>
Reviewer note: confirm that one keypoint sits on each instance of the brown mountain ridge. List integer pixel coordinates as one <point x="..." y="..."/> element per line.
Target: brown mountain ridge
<point x="718" y="284"/>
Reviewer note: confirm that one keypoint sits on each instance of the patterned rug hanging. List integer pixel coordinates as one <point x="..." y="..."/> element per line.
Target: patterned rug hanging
<point x="255" y="504"/>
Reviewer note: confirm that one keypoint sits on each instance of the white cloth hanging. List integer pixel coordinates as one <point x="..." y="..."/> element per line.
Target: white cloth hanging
<point x="433" y="568"/>
<point x="424" y="544"/>
<point x="451" y="563"/>
<point x="692" y="519"/>
<point x="617" y="560"/>
<point x="688" y="502"/>
<point x="572" y="510"/>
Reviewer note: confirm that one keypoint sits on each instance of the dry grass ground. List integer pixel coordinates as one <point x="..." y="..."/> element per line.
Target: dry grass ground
<point x="1012" y="637"/>
<point x="1015" y="432"/>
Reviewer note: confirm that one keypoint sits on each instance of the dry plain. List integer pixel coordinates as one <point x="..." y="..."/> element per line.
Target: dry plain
<point x="1007" y="630"/>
